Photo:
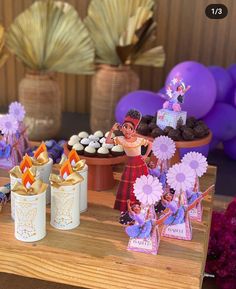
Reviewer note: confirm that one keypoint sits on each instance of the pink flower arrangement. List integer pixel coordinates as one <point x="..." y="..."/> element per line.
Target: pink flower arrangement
<point x="163" y="148"/>
<point x="148" y="190"/>
<point x="221" y="258"/>
<point x="8" y="124"/>
<point x="180" y="177"/>
<point x="197" y="162"/>
<point x="17" y="110"/>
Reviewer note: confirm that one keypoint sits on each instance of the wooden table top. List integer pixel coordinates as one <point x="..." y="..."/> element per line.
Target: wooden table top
<point x="94" y="255"/>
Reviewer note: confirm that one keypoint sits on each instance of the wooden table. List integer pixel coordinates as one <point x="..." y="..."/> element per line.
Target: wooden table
<point x="94" y="255"/>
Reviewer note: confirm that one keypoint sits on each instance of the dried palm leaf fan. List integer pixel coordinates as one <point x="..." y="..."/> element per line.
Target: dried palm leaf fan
<point x="123" y="32"/>
<point x="3" y="56"/>
<point x="48" y="37"/>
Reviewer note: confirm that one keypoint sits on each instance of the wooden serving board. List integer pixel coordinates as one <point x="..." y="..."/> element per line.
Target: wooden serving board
<point x="94" y="255"/>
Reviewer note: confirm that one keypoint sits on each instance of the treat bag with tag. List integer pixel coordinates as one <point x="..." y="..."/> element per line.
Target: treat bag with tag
<point x="43" y="165"/>
<point x="80" y="167"/>
<point x="30" y="210"/>
<point x="65" y="213"/>
<point x="65" y="198"/>
<point x="16" y="177"/>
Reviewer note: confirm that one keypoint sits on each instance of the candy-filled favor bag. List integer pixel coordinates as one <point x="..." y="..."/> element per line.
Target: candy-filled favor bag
<point x="30" y="209"/>
<point x="16" y="174"/>
<point x="79" y="166"/>
<point x="65" y="198"/>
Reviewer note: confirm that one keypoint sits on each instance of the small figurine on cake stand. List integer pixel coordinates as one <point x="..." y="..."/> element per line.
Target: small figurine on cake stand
<point x="136" y="165"/>
<point x="197" y="162"/>
<point x="171" y="114"/>
<point x="175" y="91"/>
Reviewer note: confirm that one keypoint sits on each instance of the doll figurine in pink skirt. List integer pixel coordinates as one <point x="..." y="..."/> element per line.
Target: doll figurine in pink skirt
<point x="135" y="166"/>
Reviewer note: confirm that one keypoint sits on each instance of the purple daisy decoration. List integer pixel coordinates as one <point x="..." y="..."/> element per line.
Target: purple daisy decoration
<point x="17" y="110"/>
<point x="163" y="148"/>
<point x="180" y="177"/>
<point x="196" y="161"/>
<point x="8" y="124"/>
<point x="148" y="190"/>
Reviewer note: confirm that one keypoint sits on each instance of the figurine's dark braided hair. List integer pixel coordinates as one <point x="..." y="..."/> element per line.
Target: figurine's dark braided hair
<point x="134" y="114"/>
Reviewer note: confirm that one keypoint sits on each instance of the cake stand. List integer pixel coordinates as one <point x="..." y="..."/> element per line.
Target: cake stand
<point x="100" y="174"/>
<point x="194" y="144"/>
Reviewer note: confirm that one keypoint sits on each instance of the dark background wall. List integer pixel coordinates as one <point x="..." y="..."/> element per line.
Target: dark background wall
<point x="183" y="29"/>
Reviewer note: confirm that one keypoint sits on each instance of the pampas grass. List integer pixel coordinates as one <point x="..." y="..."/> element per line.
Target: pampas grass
<point x="49" y="36"/>
<point x="3" y="56"/>
<point x="123" y="32"/>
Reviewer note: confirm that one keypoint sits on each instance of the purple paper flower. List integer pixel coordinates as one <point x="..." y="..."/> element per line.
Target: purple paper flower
<point x="8" y="124"/>
<point x="163" y="147"/>
<point x="17" y="110"/>
<point x="148" y="190"/>
<point x="197" y="162"/>
<point x="180" y="177"/>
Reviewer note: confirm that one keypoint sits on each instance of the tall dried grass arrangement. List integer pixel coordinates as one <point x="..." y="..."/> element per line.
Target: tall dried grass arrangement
<point x="123" y="32"/>
<point x="49" y="36"/>
<point x="3" y="55"/>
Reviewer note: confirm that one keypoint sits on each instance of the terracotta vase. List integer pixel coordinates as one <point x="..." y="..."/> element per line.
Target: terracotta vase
<point x="40" y="94"/>
<point x="109" y="84"/>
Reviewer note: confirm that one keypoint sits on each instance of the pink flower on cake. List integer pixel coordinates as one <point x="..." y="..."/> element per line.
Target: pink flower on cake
<point x="180" y="177"/>
<point x="148" y="190"/>
<point x="8" y="125"/>
<point x="17" y="110"/>
<point x="163" y="147"/>
<point x="196" y="161"/>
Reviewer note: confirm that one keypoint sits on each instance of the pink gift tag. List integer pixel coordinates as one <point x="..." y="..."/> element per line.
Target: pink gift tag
<point x="195" y="214"/>
<point x="180" y="231"/>
<point x="148" y="245"/>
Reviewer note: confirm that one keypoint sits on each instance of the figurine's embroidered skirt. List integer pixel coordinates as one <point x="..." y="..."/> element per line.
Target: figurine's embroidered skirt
<point x="135" y="168"/>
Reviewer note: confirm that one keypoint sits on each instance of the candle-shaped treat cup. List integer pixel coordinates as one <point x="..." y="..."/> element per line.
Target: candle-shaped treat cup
<point x="30" y="209"/>
<point x="16" y="174"/>
<point x="79" y="166"/>
<point x="43" y="165"/>
<point x="65" y="198"/>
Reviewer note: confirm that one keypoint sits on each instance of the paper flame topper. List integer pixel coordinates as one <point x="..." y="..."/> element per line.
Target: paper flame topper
<point x="73" y="157"/>
<point x="26" y="163"/>
<point x="27" y="179"/>
<point x="40" y="155"/>
<point x="66" y="169"/>
<point x="42" y="148"/>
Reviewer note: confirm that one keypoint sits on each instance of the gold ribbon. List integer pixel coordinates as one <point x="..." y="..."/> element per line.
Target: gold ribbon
<point x="77" y="167"/>
<point x="38" y="187"/>
<point x="41" y="160"/>
<point x="57" y="181"/>
<point x="17" y="173"/>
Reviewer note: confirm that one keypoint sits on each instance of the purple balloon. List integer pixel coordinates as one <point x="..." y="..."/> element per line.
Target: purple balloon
<point x="146" y="102"/>
<point x="232" y="70"/>
<point x="200" y="98"/>
<point x="200" y="149"/>
<point x="230" y="148"/>
<point x="221" y="120"/>
<point x="214" y="143"/>
<point x="224" y="83"/>
<point x="234" y="98"/>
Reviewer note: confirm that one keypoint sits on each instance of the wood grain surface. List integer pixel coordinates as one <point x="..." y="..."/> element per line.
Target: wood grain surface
<point x="94" y="255"/>
<point x="182" y="28"/>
